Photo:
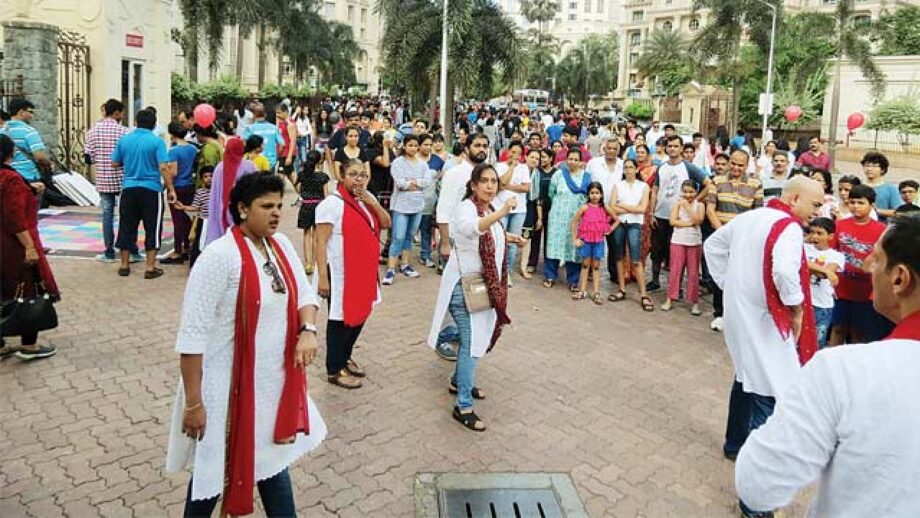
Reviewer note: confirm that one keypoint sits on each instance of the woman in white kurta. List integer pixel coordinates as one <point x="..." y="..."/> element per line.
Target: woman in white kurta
<point x="474" y="221"/>
<point x="207" y="342"/>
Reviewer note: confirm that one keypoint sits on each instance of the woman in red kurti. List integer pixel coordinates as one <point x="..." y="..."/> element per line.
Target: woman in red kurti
<point x="20" y="247"/>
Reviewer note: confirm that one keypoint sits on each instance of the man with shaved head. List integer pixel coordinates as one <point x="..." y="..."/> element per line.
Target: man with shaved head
<point x="758" y="260"/>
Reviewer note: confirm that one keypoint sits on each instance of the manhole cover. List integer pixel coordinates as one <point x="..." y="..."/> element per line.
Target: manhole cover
<point x="499" y="503"/>
<point x="496" y="495"/>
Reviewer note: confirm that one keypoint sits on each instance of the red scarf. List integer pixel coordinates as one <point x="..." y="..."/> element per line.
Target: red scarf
<point x="361" y="249"/>
<point x="497" y="284"/>
<point x="808" y="339"/>
<point x="907" y="329"/>
<point x="233" y="156"/>
<point x="292" y="417"/>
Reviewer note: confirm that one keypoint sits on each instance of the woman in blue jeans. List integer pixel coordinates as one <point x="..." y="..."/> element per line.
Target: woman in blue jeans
<point x="478" y="251"/>
<point x="410" y="179"/>
<point x="515" y="182"/>
<point x="629" y="198"/>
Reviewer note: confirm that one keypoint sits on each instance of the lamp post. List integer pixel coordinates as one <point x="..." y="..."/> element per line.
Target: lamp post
<point x="443" y="91"/>
<point x="768" y="101"/>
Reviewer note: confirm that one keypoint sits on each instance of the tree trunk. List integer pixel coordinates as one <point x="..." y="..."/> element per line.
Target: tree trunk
<point x="280" y="66"/>
<point x="432" y="97"/>
<point x="736" y="105"/>
<point x="191" y="54"/>
<point x="261" y="45"/>
<point x="240" y="46"/>
<point x="448" y="104"/>
<point x="835" y="113"/>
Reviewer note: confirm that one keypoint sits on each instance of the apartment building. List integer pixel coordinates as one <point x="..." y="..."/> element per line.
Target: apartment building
<point x="638" y="18"/>
<point x="575" y="19"/>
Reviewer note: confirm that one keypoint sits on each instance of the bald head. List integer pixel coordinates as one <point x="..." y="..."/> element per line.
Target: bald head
<point x="804" y="195"/>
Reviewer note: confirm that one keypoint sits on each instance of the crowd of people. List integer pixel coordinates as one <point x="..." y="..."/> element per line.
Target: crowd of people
<point x="788" y="256"/>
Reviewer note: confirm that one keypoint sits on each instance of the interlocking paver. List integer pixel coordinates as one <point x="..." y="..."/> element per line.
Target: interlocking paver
<point x="631" y="404"/>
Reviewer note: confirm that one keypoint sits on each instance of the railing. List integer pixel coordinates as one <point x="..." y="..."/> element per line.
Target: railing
<point x="883" y="141"/>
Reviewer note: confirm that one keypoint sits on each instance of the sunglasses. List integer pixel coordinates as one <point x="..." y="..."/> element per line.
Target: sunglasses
<point x="277" y="282"/>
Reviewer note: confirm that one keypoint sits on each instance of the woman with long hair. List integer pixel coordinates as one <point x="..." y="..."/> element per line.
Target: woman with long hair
<point x="479" y="248"/>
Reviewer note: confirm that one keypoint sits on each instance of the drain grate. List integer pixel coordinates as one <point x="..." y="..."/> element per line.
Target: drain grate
<point x="499" y="503"/>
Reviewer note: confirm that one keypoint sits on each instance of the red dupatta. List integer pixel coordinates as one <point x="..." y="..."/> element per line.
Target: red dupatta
<point x="808" y="339"/>
<point x="360" y="248"/>
<point x="292" y="417"/>
<point x="233" y="157"/>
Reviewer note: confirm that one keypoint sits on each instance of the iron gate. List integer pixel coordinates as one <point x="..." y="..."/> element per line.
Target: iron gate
<point x="74" y="110"/>
<point x="10" y="89"/>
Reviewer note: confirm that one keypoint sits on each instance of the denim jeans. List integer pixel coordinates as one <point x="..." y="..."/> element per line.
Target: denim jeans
<point x="513" y="224"/>
<point x="449" y="334"/>
<point x="276" y="493"/>
<point x="746" y="412"/>
<point x="404" y="228"/>
<point x="425" y="230"/>
<point x="465" y="371"/>
<point x="551" y="270"/>
<point x="108" y="200"/>
<point x="823" y="318"/>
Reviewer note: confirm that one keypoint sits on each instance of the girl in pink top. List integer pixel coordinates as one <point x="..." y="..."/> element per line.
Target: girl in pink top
<point x="591" y="223"/>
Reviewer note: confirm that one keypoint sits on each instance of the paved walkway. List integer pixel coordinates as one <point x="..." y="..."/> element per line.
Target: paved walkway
<point x="631" y="404"/>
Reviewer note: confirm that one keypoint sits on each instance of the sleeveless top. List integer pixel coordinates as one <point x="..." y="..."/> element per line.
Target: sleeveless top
<point x="594" y="223"/>
<point x="283" y="150"/>
<point x="687" y="236"/>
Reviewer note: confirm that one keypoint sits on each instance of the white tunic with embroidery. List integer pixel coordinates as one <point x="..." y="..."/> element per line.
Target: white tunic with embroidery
<point x="207" y="328"/>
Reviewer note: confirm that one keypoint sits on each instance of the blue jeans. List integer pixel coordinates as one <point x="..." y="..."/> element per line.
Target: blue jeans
<point x="404" y="227"/>
<point x="108" y="201"/>
<point x="551" y="270"/>
<point x="276" y="494"/>
<point x="746" y="412"/>
<point x="823" y="318"/>
<point x="513" y="224"/>
<point x="465" y="371"/>
<point x="425" y="230"/>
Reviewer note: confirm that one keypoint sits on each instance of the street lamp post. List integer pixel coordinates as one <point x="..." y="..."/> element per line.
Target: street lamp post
<point x="443" y="91"/>
<point x="768" y="101"/>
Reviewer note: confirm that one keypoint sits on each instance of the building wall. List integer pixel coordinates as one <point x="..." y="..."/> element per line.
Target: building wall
<point x="575" y="19"/>
<point x="106" y="25"/>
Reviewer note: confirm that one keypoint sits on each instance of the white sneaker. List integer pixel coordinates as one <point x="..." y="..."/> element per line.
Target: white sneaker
<point x="717" y="324"/>
<point x="695" y="310"/>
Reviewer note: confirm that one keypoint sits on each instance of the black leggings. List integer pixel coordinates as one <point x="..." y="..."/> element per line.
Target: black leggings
<point x="340" y="343"/>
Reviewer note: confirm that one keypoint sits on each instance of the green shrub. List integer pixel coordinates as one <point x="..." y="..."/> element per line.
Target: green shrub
<point x="640" y="111"/>
<point x="183" y="89"/>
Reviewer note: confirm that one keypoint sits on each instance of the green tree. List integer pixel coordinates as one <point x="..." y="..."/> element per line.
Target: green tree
<point x="900" y="115"/>
<point x="541" y="47"/>
<point x="665" y="56"/>
<point x="899" y="32"/>
<point x="540" y="12"/>
<point x="589" y="68"/>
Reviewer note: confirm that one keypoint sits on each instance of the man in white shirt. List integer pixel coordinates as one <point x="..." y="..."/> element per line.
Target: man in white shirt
<point x="453" y="187"/>
<point x="765" y="358"/>
<point x="850" y="418"/>
<point x="608" y="170"/>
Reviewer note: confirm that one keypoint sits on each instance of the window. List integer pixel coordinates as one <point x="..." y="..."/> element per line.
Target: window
<point x="632" y="79"/>
<point x="363" y="33"/>
<point x="638" y="16"/>
<point x="132" y="73"/>
<point x="635" y="39"/>
<point x="572" y="17"/>
<point x="351" y="14"/>
<point x="694" y="24"/>
<point x="633" y="57"/>
<point x="363" y="16"/>
<point x="861" y="21"/>
<point x="588" y="6"/>
<point x="668" y="26"/>
<point x="573" y="5"/>
<point x="600" y="6"/>
<point x="330" y="9"/>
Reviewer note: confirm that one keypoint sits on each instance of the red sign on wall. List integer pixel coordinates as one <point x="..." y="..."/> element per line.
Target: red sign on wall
<point x="134" y="40"/>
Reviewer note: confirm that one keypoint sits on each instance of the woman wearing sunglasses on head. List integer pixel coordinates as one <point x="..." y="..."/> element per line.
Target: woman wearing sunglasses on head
<point x="242" y="414"/>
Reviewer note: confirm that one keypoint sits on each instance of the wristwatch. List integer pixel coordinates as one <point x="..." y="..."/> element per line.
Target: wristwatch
<point x="307" y="327"/>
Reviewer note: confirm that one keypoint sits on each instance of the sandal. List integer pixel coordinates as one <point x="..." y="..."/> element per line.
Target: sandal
<point x="354" y="370"/>
<point x="597" y="298"/>
<point x="647" y="304"/>
<point x="476" y="392"/>
<point x="548" y="283"/>
<point x="618" y="296"/>
<point x="579" y="295"/>
<point x="573" y="288"/>
<point x="153" y="274"/>
<point x="124" y="271"/>
<point x="469" y="420"/>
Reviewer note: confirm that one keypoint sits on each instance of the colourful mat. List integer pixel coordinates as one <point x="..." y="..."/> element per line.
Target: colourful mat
<point x="72" y="233"/>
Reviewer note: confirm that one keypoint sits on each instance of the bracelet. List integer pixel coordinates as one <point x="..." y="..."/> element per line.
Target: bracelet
<point x="194" y="407"/>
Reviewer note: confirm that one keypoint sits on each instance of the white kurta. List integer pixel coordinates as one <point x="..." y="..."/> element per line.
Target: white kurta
<point x="207" y="328"/>
<point x="850" y="420"/>
<point x="607" y="177"/>
<point x="330" y="211"/>
<point x="453" y="187"/>
<point x="465" y="233"/>
<point x="764" y="362"/>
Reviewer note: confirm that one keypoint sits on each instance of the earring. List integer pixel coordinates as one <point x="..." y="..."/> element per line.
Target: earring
<point x="243" y="216"/>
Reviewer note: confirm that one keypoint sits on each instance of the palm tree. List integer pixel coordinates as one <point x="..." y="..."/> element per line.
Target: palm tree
<point x="539" y="12"/>
<point x="853" y="44"/>
<point x="720" y="39"/>
<point x="664" y="52"/>
<point x="589" y="68"/>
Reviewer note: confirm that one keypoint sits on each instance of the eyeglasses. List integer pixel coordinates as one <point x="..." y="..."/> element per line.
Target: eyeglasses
<point x="357" y="176"/>
<point x="277" y="282"/>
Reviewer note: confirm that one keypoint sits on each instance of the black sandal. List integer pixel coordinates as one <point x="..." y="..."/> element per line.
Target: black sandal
<point x="477" y="392"/>
<point x="153" y="274"/>
<point x="647" y="304"/>
<point x="469" y="420"/>
<point x="618" y="296"/>
<point x="124" y="271"/>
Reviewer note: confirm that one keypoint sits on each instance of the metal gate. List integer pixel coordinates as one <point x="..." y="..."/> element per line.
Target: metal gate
<point x="10" y="89"/>
<point x="74" y="110"/>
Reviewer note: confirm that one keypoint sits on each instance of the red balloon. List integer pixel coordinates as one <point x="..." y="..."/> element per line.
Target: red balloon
<point x="204" y="115"/>
<point x="855" y="121"/>
<point x="793" y="113"/>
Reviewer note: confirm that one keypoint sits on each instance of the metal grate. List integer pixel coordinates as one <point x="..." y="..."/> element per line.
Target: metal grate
<point x="499" y="503"/>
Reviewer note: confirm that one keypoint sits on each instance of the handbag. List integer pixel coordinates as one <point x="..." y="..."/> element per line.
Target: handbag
<point x="25" y="315"/>
<point x="475" y="289"/>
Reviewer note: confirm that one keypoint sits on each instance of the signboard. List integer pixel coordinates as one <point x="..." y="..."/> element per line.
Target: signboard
<point x="134" y="40"/>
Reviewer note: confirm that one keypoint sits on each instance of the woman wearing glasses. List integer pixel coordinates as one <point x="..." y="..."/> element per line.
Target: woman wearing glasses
<point x="348" y="225"/>
<point x="242" y="414"/>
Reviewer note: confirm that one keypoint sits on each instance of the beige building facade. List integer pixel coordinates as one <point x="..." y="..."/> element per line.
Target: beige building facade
<point x="575" y="19"/>
<point x="239" y="53"/>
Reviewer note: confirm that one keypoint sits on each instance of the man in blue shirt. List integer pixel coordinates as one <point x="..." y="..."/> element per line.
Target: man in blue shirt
<point x="145" y="160"/>
<point x="271" y="136"/>
<point x="31" y="155"/>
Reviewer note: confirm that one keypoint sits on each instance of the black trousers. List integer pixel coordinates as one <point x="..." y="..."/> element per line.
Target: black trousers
<point x="139" y="205"/>
<point x="27" y="340"/>
<point x="538" y="237"/>
<point x="340" y="342"/>
<point x="661" y="246"/>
